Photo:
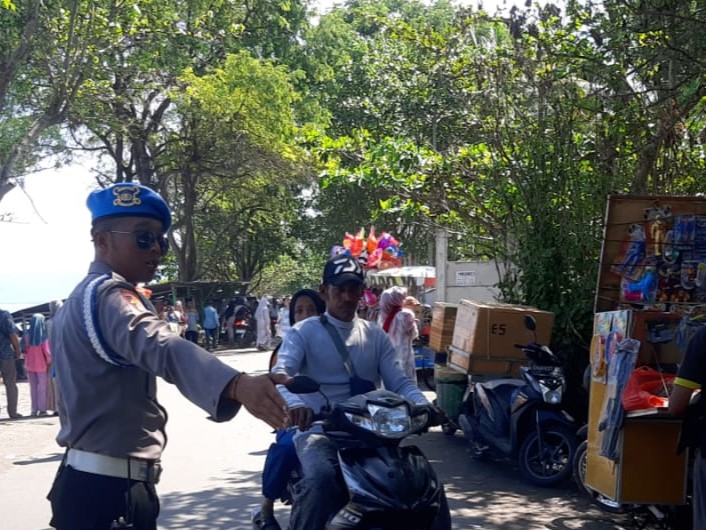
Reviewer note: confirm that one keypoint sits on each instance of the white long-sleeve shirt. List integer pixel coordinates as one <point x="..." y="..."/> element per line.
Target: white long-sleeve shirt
<point x="308" y="349"/>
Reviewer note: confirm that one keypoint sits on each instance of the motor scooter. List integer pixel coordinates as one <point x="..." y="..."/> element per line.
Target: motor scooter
<point x="243" y="328"/>
<point x="522" y="419"/>
<point x="390" y="487"/>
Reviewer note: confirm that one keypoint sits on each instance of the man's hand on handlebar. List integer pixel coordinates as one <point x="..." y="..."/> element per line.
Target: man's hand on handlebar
<point x="438" y="416"/>
<point x="301" y="417"/>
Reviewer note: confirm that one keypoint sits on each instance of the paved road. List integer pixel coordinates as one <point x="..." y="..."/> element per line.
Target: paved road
<point x="212" y="474"/>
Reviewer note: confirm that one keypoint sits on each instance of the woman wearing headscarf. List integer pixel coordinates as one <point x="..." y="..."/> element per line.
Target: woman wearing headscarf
<point x="262" y="317"/>
<point x="281" y="456"/>
<point x="51" y="371"/>
<point x="37" y="361"/>
<point x="401" y="326"/>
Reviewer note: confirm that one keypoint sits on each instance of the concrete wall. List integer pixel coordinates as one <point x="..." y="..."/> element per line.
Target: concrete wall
<point x="474" y="280"/>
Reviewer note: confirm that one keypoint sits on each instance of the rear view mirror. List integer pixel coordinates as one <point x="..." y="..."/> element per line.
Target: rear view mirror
<point x="530" y="323"/>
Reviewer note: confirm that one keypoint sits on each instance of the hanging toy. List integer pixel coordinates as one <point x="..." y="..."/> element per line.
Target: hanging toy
<point x="643" y="290"/>
<point x="357" y="243"/>
<point x="336" y="250"/>
<point x="372" y="242"/>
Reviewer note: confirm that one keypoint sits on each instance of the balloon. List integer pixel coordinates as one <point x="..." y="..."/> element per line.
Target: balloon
<point x="347" y="241"/>
<point x="384" y="241"/>
<point x="370" y="298"/>
<point x="392" y="250"/>
<point x="372" y="240"/>
<point x="357" y="244"/>
<point x="384" y="265"/>
<point x="374" y="258"/>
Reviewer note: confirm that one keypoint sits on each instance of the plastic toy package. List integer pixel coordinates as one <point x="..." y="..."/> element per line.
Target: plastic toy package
<point x="662" y="260"/>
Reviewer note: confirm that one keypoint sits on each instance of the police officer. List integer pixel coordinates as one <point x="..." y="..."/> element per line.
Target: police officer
<point x="109" y="345"/>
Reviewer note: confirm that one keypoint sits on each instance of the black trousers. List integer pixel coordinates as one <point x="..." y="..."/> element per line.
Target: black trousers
<point x="85" y="501"/>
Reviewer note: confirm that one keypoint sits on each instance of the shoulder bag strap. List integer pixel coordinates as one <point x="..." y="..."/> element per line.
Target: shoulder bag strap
<point x="342" y="350"/>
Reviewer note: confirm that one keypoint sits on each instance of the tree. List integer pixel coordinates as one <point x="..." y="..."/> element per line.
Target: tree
<point x="47" y="52"/>
<point x="232" y="167"/>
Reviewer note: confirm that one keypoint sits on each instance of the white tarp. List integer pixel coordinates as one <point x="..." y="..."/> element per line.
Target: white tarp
<point x="417" y="275"/>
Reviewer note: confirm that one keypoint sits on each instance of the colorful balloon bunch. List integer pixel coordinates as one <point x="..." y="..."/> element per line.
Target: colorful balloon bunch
<point x="373" y="252"/>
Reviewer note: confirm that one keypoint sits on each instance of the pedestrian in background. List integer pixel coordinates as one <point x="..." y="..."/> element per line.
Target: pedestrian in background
<point x="229" y="321"/>
<point x="283" y="320"/>
<point x="37" y="363"/>
<point x="52" y="403"/>
<point x="211" y="325"/>
<point x="10" y="351"/>
<point x="192" y="322"/>
<point x="281" y="456"/>
<point x="400" y="323"/>
<point x="262" y="317"/>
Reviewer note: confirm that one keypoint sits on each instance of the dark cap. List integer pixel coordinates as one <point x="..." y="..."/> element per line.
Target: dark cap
<point x="343" y="269"/>
<point x="128" y="199"/>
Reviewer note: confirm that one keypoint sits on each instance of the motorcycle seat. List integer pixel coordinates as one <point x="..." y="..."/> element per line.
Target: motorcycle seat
<point x="500" y="393"/>
<point x="496" y="385"/>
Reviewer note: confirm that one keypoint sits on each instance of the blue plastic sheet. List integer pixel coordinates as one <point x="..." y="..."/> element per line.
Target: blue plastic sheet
<point x="611" y="421"/>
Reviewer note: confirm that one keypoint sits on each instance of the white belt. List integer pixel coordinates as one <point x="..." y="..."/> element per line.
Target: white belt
<point x="143" y="470"/>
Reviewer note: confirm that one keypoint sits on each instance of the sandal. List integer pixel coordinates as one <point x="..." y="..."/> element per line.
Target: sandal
<point x="265" y="521"/>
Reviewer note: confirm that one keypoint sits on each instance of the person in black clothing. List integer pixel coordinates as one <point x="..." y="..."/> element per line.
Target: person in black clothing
<point x="229" y="320"/>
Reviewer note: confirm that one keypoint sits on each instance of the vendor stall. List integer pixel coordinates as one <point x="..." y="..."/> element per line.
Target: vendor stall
<point x="651" y="286"/>
<point x="417" y="279"/>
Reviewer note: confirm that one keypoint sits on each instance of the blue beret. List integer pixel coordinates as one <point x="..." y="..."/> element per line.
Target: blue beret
<point x="128" y="199"/>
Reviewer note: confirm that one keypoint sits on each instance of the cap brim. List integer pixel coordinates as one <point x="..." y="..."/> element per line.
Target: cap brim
<point x="346" y="277"/>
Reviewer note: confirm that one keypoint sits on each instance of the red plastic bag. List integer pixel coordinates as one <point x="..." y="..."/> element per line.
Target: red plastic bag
<point x="647" y="388"/>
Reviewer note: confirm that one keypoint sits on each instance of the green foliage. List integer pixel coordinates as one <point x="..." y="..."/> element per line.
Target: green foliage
<point x="507" y="132"/>
<point x="235" y="170"/>
<point x="289" y="274"/>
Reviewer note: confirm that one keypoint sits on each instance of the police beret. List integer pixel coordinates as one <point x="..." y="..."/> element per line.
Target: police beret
<point x="128" y="199"/>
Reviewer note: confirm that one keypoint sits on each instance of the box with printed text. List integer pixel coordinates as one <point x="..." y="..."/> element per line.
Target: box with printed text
<point x="486" y="329"/>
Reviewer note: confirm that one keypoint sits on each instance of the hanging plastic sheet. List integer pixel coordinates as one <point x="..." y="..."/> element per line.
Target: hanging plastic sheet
<point x="620" y="367"/>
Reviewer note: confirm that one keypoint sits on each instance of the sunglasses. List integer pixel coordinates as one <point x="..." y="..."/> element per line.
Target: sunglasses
<point x="144" y="239"/>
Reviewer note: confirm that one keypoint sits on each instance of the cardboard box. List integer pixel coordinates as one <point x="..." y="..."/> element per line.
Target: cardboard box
<point x="490" y="330"/>
<point x="443" y="320"/>
<point x="463" y="361"/>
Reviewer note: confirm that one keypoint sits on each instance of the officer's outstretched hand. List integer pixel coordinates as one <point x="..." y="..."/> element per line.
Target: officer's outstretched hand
<point x="257" y="393"/>
<point x="302" y="417"/>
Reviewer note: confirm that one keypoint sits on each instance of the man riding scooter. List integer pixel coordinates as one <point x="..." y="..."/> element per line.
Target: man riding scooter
<point x="345" y="355"/>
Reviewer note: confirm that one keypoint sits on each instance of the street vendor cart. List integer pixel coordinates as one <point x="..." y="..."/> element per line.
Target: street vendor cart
<point x="651" y="286"/>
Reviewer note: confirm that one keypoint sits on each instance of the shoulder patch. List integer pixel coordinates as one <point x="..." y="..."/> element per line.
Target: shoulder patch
<point x="133" y="299"/>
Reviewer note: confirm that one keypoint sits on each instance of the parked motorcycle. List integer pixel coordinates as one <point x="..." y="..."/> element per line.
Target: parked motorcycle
<point x="522" y="419"/>
<point x="390" y="487"/>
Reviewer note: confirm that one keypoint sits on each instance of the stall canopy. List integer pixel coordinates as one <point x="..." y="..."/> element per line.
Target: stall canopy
<point x="418" y="276"/>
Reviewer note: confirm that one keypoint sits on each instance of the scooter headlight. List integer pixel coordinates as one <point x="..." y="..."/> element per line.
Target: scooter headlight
<point x="553" y="397"/>
<point x="552" y="390"/>
<point x="384" y="421"/>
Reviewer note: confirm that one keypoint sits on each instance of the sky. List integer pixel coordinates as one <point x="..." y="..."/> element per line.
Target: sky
<point x="43" y="254"/>
<point x="45" y="250"/>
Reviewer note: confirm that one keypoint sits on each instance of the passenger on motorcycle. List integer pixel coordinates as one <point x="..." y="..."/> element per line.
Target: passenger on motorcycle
<point x="281" y="456"/>
<point x="310" y="349"/>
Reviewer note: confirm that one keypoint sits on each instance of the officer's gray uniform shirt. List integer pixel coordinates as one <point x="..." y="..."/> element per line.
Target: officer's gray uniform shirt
<point x="111" y="409"/>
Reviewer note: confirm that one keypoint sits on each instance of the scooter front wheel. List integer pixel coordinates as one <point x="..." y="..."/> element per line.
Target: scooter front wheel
<point x="551" y="462"/>
<point x="604" y="503"/>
